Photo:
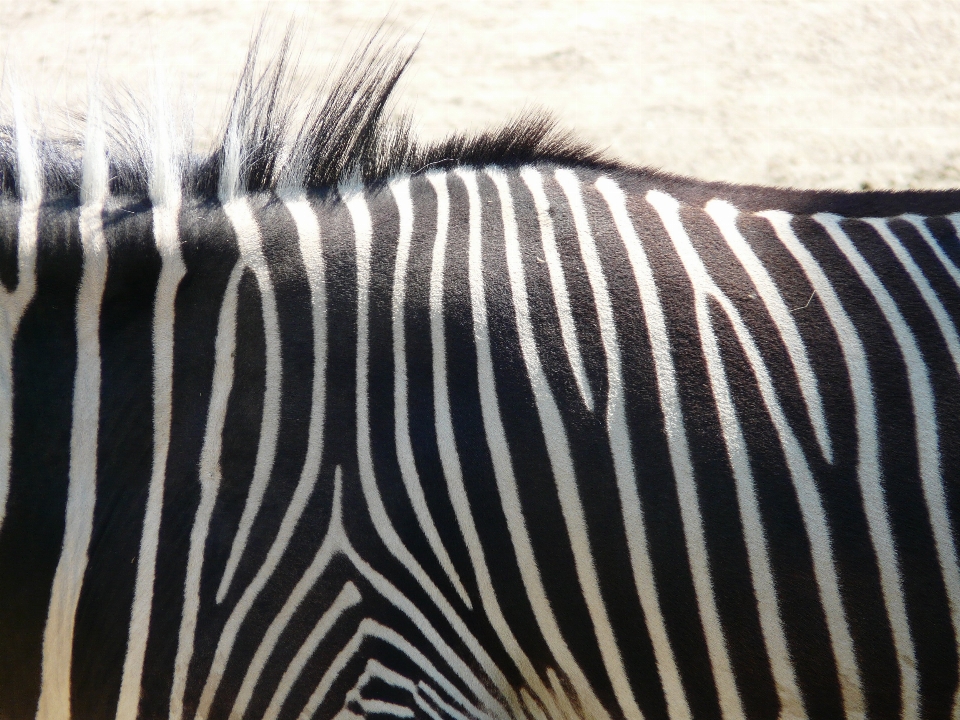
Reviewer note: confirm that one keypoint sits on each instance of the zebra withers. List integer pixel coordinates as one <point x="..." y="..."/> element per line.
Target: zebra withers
<point x="331" y="423"/>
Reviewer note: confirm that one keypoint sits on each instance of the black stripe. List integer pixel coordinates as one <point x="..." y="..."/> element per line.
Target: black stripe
<point x="209" y="253"/>
<point x="123" y="478"/>
<point x="45" y="360"/>
<point x="45" y="357"/>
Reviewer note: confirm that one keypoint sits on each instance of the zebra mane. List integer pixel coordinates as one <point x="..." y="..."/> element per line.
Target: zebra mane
<point x="346" y="134"/>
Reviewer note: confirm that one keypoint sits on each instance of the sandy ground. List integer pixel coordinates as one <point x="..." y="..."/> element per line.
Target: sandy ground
<point x="816" y="93"/>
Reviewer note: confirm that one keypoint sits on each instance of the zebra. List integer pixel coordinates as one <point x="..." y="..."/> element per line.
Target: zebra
<point x="332" y="423"/>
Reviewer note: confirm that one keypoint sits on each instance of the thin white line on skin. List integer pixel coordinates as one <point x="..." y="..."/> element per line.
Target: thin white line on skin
<point x="54" y="702"/>
<point x="356" y="204"/>
<point x="558" y="284"/>
<point x="428" y="708"/>
<point x="680" y="459"/>
<point x="869" y="472"/>
<point x="209" y="476"/>
<point x="925" y="417"/>
<point x="448" y="709"/>
<point x="375" y="670"/>
<point x="408" y="468"/>
<point x="561" y="461"/>
<point x="450" y="458"/>
<point x="14" y="304"/>
<point x="251" y="251"/>
<point x="757" y="555"/>
<point x="532" y="708"/>
<point x="308" y="235"/>
<point x="725" y="216"/>
<point x="380" y="707"/>
<point x="503" y="464"/>
<point x="165" y="195"/>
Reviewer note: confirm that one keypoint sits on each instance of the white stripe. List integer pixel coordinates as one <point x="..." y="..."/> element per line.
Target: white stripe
<point x="14" y="304"/>
<point x="54" y="702"/>
<point x="336" y="543"/>
<point x="558" y="283"/>
<point x="308" y="234"/>
<point x="680" y="459"/>
<point x="930" y="297"/>
<point x="869" y="473"/>
<point x="533" y="709"/>
<point x="448" y="709"/>
<point x="371" y="629"/>
<point x="426" y="707"/>
<point x="248" y="239"/>
<point x="348" y="597"/>
<point x="620" y="448"/>
<point x="563" y="696"/>
<point x="345" y="714"/>
<point x="360" y="214"/>
<point x="807" y="493"/>
<point x="450" y="458"/>
<point x="725" y="216"/>
<point x="209" y="476"/>
<point x="924" y="413"/>
<point x="503" y="466"/>
<point x="374" y="670"/>
<point x="408" y="467"/>
<point x="332" y="543"/>
<point x="764" y="590"/>
<point x="934" y="244"/>
<point x="561" y="462"/>
<point x="166" y="236"/>
<point x="380" y="707"/>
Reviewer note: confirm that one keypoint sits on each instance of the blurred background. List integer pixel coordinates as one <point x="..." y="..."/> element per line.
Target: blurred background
<point x="815" y="93"/>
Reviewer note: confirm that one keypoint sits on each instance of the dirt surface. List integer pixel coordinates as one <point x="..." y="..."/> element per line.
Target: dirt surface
<point x="835" y="93"/>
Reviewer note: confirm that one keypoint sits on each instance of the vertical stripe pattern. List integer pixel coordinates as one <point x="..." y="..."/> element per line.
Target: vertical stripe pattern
<point x="54" y="699"/>
<point x="501" y="442"/>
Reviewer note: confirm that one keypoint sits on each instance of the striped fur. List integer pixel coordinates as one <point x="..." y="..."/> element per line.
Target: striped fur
<point x="500" y="442"/>
<point x="491" y="429"/>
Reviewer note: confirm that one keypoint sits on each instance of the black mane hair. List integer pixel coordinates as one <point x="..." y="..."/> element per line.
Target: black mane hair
<point x="348" y="134"/>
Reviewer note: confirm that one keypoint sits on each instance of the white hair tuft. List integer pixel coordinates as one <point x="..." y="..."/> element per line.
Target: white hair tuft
<point x="230" y="169"/>
<point x="95" y="178"/>
<point x="164" y="181"/>
<point x="29" y="182"/>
